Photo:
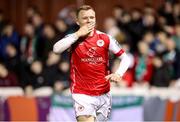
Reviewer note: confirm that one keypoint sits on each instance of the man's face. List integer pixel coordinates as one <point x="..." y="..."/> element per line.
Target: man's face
<point x="85" y="17"/>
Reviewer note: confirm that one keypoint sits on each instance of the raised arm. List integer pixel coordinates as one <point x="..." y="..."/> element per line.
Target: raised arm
<point x="65" y="43"/>
<point x="68" y="40"/>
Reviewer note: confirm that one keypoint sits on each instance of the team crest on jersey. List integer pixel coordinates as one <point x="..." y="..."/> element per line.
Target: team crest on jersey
<point x="100" y="43"/>
<point x="80" y="108"/>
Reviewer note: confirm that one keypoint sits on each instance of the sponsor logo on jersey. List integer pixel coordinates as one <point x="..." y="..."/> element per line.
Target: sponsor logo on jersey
<point x="100" y="43"/>
<point x="93" y="60"/>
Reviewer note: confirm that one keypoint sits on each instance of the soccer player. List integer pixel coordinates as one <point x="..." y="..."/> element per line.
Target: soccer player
<point x="89" y="67"/>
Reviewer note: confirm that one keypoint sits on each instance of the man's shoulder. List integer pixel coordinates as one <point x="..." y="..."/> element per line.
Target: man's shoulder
<point x="102" y="34"/>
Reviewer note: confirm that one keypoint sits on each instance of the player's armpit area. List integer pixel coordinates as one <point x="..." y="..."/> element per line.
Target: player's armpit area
<point x="85" y="118"/>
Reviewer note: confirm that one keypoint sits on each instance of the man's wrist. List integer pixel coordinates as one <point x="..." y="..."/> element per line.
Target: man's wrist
<point x="77" y="35"/>
<point x="120" y="75"/>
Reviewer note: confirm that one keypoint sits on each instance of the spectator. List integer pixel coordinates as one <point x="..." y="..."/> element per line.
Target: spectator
<point x="49" y="40"/>
<point x="38" y="23"/>
<point x="31" y="10"/>
<point x="161" y="21"/>
<point x="58" y="87"/>
<point x="61" y="28"/>
<point x="117" y="14"/>
<point x="136" y="28"/>
<point x="149" y="9"/>
<point x="176" y="36"/>
<point x="111" y="28"/>
<point x="143" y="64"/>
<point x="68" y="14"/>
<point x="51" y="68"/>
<point x="7" y="79"/>
<point x="29" y="44"/>
<point x="166" y="11"/>
<point x="172" y="59"/>
<point x="13" y="62"/>
<point x="35" y="75"/>
<point x="149" y="23"/>
<point x="63" y="69"/>
<point x="149" y="38"/>
<point x="160" y="40"/>
<point x="160" y="75"/>
<point x="9" y="35"/>
<point x="125" y="27"/>
<point x="176" y="12"/>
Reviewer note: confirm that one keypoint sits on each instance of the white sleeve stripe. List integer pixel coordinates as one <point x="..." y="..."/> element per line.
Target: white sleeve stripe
<point x="64" y="43"/>
<point x="124" y="64"/>
<point x="114" y="46"/>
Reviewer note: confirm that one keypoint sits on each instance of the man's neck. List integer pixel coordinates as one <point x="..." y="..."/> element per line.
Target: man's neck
<point x="91" y="33"/>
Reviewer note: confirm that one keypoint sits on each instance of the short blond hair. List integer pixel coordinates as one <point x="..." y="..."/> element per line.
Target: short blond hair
<point x="83" y="7"/>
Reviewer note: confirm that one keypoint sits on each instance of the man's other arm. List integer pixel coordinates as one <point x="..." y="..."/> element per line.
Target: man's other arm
<point x="125" y="60"/>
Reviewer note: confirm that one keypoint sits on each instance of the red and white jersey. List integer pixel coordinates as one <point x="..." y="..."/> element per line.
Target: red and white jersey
<point x="89" y="63"/>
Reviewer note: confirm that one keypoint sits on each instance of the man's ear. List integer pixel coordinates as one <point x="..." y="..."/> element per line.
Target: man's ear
<point x="77" y="22"/>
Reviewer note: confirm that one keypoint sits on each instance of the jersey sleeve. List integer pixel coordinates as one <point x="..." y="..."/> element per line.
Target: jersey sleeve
<point x="115" y="47"/>
<point x="64" y="43"/>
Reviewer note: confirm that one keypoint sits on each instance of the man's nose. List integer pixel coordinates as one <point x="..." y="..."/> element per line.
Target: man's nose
<point x="88" y="19"/>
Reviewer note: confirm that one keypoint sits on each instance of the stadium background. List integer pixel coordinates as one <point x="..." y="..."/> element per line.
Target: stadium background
<point x="34" y="81"/>
<point x="14" y="9"/>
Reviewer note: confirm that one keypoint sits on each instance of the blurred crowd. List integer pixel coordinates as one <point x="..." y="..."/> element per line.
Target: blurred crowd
<point x="151" y="38"/>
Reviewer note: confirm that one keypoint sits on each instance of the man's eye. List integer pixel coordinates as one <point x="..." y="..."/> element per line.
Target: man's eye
<point x="85" y="17"/>
<point x="91" y="17"/>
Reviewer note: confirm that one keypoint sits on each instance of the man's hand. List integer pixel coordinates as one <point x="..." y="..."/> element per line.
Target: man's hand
<point x="113" y="77"/>
<point x="85" y="30"/>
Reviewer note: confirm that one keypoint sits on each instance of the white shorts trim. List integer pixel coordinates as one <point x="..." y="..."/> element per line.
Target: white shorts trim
<point x="92" y="105"/>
